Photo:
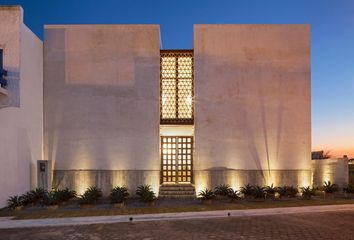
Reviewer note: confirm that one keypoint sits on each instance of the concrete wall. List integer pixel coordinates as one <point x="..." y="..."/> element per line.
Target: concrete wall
<point x="101" y="97"/>
<point x="80" y="180"/>
<point x="252" y="97"/>
<point x="351" y="174"/>
<point x="334" y="170"/>
<point x="21" y="119"/>
<point x="211" y="178"/>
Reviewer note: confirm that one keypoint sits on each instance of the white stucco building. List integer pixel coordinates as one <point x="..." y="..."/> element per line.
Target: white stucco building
<point x="110" y="107"/>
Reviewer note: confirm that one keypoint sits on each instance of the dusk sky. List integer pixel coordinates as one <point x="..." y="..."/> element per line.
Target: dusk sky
<point x="332" y="42"/>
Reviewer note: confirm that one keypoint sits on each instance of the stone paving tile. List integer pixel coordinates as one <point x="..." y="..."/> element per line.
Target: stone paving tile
<point x="324" y="226"/>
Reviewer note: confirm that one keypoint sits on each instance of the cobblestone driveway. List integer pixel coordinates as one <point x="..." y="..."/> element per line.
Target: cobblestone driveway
<point x="331" y="225"/>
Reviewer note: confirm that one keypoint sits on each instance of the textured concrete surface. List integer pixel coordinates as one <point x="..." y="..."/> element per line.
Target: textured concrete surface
<point x="334" y="170"/>
<point x="252" y="92"/>
<point x="21" y="112"/>
<point x="79" y="180"/>
<point x="238" y="178"/>
<point x="351" y="174"/>
<point x="11" y="19"/>
<point x="327" y="225"/>
<point x="101" y="96"/>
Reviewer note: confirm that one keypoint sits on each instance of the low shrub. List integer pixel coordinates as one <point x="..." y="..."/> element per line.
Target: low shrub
<point x="14" y="202"/>
<point x="52" y="198"/>
<point x="328" y="187"/>
<point x="90" y="196"/>
<point x="145" y="193"/>
<point x="66" y="194"/>
<point x="349" y="189"/>
<point x="206" y="194"/>
<point x="223" y="190"/>
<point x="233" y="195"/>
<point x="57" y="196"/>
<point x="287" y="191"/>
<point x="36" y="196"/>
<point x="271" y="190"/>
<point x="119" y="195"/>
<point x="247" y="190"/>
<point x="258" y="192"/>
<point x="307" y="192"/>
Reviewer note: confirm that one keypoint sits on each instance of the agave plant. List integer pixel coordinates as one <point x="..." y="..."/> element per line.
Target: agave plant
<point x="145" y="193"/>
<point x="223" y="190"/>
<point x="271" y="191"/>
<point x="247" y="190"/>
<point x="14" y="202"/>
<point x="233" y="195"/>
<point x="349" y="189"/>
<point x="287" y="191"/>
<point x="27" y="198"/>
<point x="36" y="196"/>
<point x="328" y="187"/>
<point x="90" y="196"/>
<point x="258" y="192"/>
<point x="119" y="195"/>
<point x="39" y="194"/>
<point x="66" y="194"/>
<point x="206" y="194"/>
<point x="57" y="196"/>
<point x="307" y="192"/>
<point x="53" y="198"/>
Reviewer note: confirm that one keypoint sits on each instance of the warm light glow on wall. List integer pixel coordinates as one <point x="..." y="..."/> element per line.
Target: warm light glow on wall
<point x="201" y="181"/>
<point x="82" y="182"/>
<point x="305" y="179"/>
<point x="235" y="180"/>
<point x="326" y="173"/>
<point x="273" y="177"/>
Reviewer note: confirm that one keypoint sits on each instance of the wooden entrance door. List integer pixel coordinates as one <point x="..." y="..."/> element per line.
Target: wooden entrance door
<point x="177" y="159"/>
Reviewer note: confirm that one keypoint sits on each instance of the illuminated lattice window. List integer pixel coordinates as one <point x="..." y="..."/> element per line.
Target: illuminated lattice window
<point x="177" y="159"/>
<point x="176" y="91"/>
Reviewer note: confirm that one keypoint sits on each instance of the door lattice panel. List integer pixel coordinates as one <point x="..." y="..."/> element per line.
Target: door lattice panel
<point x="176" y="91"/>
<point x="177" y="159"/>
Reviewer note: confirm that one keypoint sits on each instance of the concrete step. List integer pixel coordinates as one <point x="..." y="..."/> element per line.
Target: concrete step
<point x="177" y="196"/>
<point x="176" y="188"/>
<point x="177" y="191"/>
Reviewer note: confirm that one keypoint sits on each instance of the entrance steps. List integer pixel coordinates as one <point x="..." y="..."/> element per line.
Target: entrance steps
<point x="177" y="190"/>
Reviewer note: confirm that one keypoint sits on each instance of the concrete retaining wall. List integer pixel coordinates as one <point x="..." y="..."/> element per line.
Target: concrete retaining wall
<point x="351" y="174"/>
<point x="80" y="180"/>
<point x="334" y="170"/>
<point x="238" y="178"/>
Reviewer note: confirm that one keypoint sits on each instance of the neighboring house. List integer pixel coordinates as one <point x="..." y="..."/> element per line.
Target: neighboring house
<point x="21" y="104"/>
<point x="118" y="110"/>
<point x="328" y="168"/>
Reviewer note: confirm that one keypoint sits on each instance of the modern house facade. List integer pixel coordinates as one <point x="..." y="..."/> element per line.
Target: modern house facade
<point x="108" y="106"/>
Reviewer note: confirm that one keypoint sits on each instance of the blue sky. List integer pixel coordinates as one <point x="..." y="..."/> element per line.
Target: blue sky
<point x="332" y="42"/>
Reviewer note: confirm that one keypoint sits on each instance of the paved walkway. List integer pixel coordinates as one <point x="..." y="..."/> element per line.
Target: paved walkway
<point x="328" y="225"/>
<point x="7" y="223"/>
